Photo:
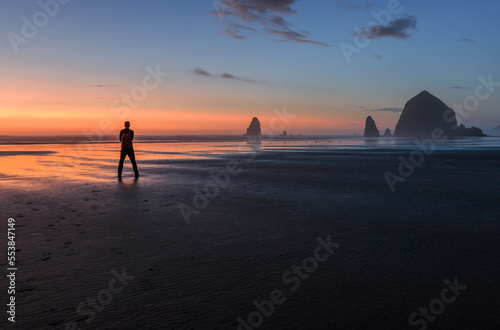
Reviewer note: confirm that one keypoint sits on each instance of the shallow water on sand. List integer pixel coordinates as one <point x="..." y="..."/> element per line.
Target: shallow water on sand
<point x="30" y="160"/>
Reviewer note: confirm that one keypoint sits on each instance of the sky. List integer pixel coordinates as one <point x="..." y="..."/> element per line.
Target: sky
<point x="208" y="67"/>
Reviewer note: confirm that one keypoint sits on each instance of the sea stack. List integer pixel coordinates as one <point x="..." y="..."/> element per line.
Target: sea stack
<point x="371" y="128"/>
<point x="387" y="132"/>
<point x="473" y="131"/>
<point x="254" y="128"/>
<point x="425" y="113"/>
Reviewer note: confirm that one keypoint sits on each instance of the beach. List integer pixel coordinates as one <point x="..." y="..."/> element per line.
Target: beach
<point x="290" y="236"/>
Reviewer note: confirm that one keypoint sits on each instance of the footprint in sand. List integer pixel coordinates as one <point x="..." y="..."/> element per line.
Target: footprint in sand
<point x="46" y="256"/>
<point x="24" y="287"/>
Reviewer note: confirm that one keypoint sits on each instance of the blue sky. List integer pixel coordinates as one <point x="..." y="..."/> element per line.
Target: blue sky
<point x="275" y="53"/>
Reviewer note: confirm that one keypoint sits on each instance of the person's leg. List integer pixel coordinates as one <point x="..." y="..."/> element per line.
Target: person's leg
<point x="131" y="155"/>
<point x="123" y="154"/>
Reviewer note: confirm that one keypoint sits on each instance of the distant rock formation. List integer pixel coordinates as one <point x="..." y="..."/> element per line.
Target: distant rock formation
<point x="254" y="128"/>
<point x="371" y="128"/>
<point x="473" y="131"/>
<point x="424" y="113"/>
<point x="387" y="132"/>
<point x="285" y="133"/>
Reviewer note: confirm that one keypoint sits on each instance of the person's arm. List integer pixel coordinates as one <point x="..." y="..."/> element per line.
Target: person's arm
<point x="121" y="133"/>
<point x="132" y="134"/>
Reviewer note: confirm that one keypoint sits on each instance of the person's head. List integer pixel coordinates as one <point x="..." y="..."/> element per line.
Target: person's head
<point x="127" y="124"/>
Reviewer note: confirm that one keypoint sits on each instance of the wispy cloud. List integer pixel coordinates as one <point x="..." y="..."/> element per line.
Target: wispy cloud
<point x="237" y="31"/>
<point x="269" y="15"/>
<point x="292" y="36"/>
<point x="460" y="87"/>
<point x="467" y="40"/>
<point x="377" y="57"/>
<point x="395" y="29"/>
<point x="386" y="110"/>
<point x="201" y="72"/>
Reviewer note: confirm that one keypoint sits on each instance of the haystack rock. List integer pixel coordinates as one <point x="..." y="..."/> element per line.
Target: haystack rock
<point x="254" y="128"/>
<point x="371" y="128"/>
<point x="424" y="113"/>
<point x="387" y="132"/>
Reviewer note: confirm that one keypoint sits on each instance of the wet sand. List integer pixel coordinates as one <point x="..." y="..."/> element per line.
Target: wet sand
<point x="395" y="251"/>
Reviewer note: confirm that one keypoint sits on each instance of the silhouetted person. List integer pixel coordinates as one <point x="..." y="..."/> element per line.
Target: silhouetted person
<point x="126" y="137"/>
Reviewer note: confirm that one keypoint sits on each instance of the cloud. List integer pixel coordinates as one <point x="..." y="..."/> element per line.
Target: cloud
<point x="266" y="14"/>
<point x="386" y="110"/>
<point x="201" y="72"/>
<point x="396" y="29"/>
<point x="377" y="57"/>
<point x="467" y="40"/>
<point x="460" y="87"/>
<point x="292" y="36"/>
<point x="237" y="31"/>
<point x="234" y="34"/>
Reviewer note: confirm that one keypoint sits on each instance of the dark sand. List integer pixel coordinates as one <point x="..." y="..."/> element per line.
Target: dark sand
<point x="395" y="248"/>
